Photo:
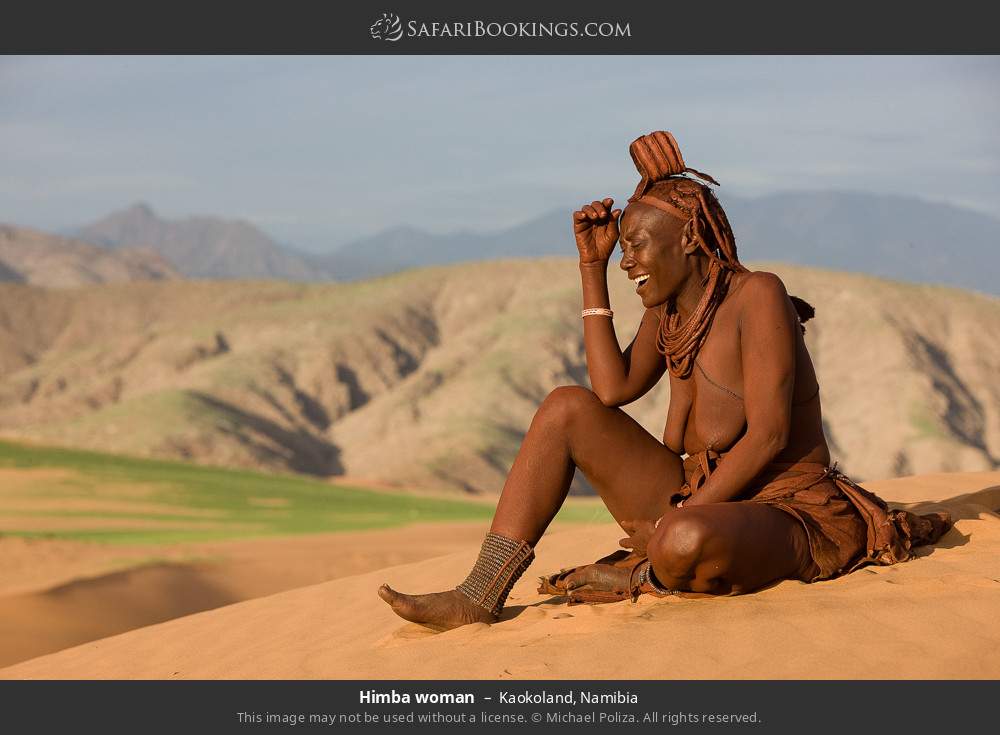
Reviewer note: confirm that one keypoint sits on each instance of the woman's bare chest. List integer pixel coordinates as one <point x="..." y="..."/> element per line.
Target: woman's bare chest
<point x="716" y="416"/>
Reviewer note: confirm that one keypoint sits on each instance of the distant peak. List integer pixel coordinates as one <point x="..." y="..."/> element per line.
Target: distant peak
<point x="402" y="230"/>
<point x="141" y="209"/>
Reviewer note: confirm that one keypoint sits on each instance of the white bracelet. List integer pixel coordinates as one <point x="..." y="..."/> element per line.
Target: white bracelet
<point x="597" y="312"/>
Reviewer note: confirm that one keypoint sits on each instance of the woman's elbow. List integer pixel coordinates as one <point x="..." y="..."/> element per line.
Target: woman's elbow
<point x="771" y="441"/>
<point x="611" y="399"/>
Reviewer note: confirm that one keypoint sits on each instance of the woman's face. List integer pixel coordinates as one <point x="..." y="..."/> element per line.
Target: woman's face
<point x="651" y="253"/>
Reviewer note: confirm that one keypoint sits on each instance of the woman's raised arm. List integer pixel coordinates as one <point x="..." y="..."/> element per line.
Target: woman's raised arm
<point x="617" y="378"/>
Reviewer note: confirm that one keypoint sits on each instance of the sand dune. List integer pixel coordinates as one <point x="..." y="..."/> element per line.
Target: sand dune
<point x="55" y="594"/>
<point x="932" y="617"/>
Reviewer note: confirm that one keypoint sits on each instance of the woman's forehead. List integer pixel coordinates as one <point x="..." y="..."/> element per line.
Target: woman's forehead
<point x="636" y="215"/>
<point x="639" y="218"/>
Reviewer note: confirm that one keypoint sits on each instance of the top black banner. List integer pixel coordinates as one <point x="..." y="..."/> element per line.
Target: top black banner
<point x="517" y="27"/>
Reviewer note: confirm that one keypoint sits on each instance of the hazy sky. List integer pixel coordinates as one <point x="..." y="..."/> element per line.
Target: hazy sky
<point x="318" y="150"/>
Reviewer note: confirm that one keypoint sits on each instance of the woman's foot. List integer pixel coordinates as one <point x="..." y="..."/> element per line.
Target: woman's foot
<point x="439" y="610"/>
<point x="608" y="574"/>
<point x="599" y="578"/>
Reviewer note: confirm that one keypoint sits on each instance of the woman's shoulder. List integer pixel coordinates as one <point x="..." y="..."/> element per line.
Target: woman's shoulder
<point x="761" y="283"/>
<point x="760" y="294"/>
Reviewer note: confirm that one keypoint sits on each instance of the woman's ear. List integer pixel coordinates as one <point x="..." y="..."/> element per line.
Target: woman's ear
<point x="689" y="239"/>
<point x="689" y="244"/>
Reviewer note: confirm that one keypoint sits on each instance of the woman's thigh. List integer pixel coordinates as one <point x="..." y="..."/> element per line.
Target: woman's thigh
<point x="572" y="430"/>
<point x="634" y="473"/>
<point x="729" y="548"/>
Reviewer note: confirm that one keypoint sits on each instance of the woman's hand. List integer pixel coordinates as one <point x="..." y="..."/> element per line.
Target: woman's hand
<point x="639" y="534"/>
<point x="596" y="230"/>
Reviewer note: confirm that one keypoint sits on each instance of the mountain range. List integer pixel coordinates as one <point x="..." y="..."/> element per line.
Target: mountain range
<point x="892" y="236"/>
<point x="201" y="246"/>
<point x="429" y="378"/>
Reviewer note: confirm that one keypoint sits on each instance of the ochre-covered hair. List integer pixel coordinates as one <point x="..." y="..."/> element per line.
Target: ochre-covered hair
<point x="705" y="222"/>
<point x="665" y="185"/>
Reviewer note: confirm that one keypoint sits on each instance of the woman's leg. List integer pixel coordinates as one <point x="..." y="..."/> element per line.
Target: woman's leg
<point x="729" y="548"/>
<point x="723" y="548"/>
<point x="633" y="472"/>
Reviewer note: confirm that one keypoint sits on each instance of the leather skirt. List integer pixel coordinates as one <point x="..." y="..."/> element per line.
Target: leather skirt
<point x="847" y="525"/>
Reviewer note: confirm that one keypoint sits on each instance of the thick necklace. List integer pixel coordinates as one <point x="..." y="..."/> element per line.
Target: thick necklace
<point x="680" y="343"/>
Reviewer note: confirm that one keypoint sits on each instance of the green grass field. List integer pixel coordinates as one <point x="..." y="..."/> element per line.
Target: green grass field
<point x="74" y="494"/>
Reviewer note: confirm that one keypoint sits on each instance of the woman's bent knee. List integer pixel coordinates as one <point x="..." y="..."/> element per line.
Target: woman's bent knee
<point x="571" y="394"/>
<point x="565" y="404"/>
<point x="679" y="544"/>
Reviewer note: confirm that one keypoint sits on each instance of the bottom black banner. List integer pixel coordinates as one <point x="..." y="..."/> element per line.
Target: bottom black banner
<point x="487" y="706"/>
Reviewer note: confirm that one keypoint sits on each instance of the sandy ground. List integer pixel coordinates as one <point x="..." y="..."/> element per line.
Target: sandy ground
<point x="932" y="617"/>
<point x="55" y="594"/>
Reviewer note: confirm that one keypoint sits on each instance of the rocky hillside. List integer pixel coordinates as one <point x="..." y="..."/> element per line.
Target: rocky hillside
<point x="30" y="256"/>
<point x="429" y="378"/>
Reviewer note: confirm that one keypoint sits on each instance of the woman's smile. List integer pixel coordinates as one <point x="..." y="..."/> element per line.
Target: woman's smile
<point x="639" y="280"/>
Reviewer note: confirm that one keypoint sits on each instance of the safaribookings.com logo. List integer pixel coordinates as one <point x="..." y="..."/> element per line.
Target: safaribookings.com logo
<point x="390" y="28"/>
<point x="387" y="28"/>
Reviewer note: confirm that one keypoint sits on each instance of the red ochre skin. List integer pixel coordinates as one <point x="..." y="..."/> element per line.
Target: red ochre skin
<point x="754" y="349"/>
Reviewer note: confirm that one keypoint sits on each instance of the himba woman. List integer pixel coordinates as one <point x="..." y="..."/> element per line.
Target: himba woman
<point x="740" y="493"/>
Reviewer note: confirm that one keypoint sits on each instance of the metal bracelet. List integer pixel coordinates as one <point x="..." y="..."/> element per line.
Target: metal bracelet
<point x="648" y="576"/>
<point x="500" y="564"/>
